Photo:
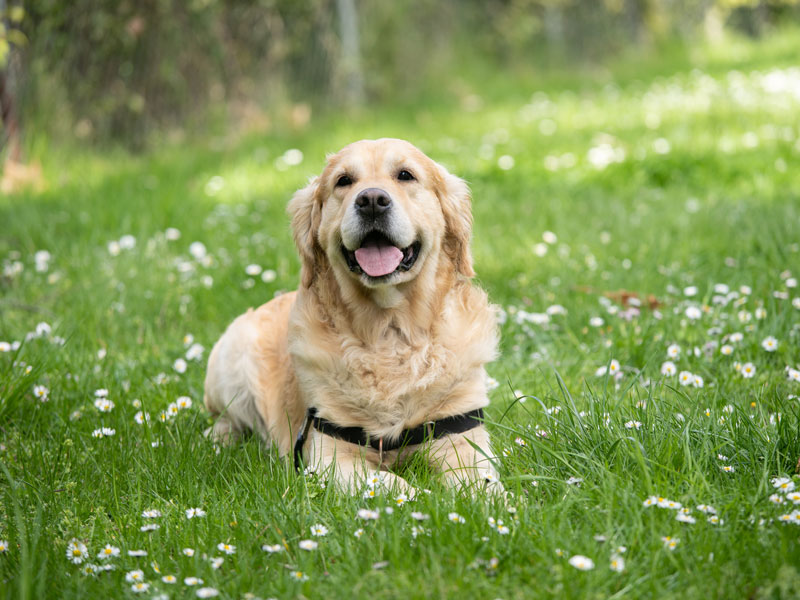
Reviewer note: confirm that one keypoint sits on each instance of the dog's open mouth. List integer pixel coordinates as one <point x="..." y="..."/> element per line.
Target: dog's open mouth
<point x="378" y="256"/>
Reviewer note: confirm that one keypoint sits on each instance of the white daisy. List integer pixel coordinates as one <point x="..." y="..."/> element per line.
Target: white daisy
<point x="307" y="545"/>
<point x="133" y="576"/>
<point x="197" y="250"/>
<point x="454" y="517"/>
<point x="103" y="405"/>
<point x="617" y="563"/>
<point x="77" y="552"/>
<point x="581" y="562"/>
<point x="670" y="542"/>
<point x="748" y="370"/>
<point x="793" y="497"/>
<point x="693" y="313"/>
<point x="668" y="368"/>
<point x="784" y="484"/>
<point x="770" y="344"/>
<point x="195" y="352"/>
<point x="226" y="548"/>
<point x="612" y="369"/>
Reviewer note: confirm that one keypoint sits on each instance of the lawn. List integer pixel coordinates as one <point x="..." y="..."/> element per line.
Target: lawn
<point x="640" y="230"/>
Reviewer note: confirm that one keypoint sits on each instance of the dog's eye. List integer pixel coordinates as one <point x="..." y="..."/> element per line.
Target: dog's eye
<point x="405" y="176"/>
<point x="344" y="181"/>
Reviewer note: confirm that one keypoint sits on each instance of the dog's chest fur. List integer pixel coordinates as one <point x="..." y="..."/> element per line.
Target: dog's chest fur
<point x="389" y="380"/>
<point x="402" y="376"/>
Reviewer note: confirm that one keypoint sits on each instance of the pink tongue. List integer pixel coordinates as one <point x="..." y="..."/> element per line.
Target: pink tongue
<point x="378" y="259"/>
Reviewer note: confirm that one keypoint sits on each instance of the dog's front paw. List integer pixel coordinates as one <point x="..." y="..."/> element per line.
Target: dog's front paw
<point x="222" y="432"/>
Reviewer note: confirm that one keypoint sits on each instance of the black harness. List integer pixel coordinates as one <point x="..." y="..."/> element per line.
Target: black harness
<point x="409" y="437"/>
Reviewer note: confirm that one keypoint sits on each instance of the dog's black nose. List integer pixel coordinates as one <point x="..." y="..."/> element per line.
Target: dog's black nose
<point x="372" y="202"/>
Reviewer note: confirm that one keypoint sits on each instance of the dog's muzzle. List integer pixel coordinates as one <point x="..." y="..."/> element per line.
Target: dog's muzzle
<point x="377" y="256"/>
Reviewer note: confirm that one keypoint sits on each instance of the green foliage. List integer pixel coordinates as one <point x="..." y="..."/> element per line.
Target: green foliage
<point x="10" y="33"/>
<point x="125" y="70"/>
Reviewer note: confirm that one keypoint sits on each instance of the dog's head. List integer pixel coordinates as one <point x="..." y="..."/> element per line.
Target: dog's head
<point x="380" y="214"/>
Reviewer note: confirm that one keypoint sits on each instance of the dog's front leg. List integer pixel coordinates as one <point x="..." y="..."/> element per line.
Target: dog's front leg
<point x="466" y="459"/>
<point x="352" y="468"/>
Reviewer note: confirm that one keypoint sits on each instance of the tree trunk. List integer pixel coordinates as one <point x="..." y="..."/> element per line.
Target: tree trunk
<point x="350" y="63"/>
<point x="8" y="113"/>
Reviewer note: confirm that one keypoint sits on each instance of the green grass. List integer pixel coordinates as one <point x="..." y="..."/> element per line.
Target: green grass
<point x="720" y="205"/>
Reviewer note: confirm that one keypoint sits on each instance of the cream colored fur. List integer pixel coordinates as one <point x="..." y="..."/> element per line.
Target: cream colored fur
<point x="383" y="357"/>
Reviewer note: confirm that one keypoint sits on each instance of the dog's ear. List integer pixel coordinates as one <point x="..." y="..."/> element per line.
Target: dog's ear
<point x="305" y="209"/>
<point x="457" y="209"/>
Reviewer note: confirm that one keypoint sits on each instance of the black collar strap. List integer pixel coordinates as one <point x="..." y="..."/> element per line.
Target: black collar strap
<point x="409" y="437"/>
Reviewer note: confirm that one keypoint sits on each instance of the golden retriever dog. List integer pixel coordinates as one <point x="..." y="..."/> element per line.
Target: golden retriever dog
<point x="386" y="332"/>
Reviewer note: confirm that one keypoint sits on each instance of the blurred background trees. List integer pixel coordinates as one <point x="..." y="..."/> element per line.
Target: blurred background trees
<point x="124" y="70"/>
